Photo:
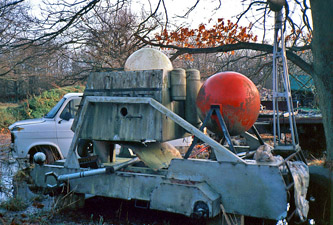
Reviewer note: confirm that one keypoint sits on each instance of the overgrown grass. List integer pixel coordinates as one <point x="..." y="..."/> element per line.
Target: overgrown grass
<point x="40" y="218"/>
<point x="6" y="105"/>
<point x="34" y="107"/>
<point x="14" y="204"/>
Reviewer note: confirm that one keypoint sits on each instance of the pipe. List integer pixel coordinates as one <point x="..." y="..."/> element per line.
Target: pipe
<point x="107" y="170"/>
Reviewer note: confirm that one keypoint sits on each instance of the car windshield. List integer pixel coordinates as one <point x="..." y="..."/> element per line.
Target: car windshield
<point x="55" y="109"/>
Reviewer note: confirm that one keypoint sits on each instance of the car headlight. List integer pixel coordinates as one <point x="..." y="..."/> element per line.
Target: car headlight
<point x="17" y="128"/>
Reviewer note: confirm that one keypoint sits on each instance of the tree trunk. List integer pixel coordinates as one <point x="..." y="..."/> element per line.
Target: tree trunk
<point x="322" y="49"/>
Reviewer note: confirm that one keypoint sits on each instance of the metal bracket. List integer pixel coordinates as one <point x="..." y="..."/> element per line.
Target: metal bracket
<point x="213" y="109"/>
<point x="56" y="176"/>
<point x="222" y="153"/>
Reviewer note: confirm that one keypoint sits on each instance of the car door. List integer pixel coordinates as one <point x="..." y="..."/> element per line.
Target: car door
<point x="64" y="122"/>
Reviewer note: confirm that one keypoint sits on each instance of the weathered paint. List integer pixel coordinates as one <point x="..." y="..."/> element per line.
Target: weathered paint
<point x="246" y="189"/>
<point x="180" y="197"/>
<point x="124" y="107"/>
<point x="222" y="154"/>
<point x="238" y="97"/>
<point x="193" y="85"/>
<point x="129" y="122"/>
<point x="155" y="155"/>
<point x="178" y="84"/>
<point x="148" y="59"/>
<point x="124" y="185"/>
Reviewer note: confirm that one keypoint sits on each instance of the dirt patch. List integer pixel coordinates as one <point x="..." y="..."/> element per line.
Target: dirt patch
<point x="4" y="139"/>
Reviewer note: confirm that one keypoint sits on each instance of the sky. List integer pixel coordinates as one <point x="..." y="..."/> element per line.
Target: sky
<point x="206" y="10"/>
<point x="203" y="12"/>
<point x="210" y="9"/>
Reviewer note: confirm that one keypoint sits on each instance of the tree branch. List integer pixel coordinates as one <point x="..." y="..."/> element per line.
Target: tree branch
<point x="79" y="14"/>
<point x="11" y="4"/>
<point x="297" y="60"/>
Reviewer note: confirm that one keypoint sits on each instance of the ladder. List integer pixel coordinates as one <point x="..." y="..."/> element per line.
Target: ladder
<point x="281" y="88"/>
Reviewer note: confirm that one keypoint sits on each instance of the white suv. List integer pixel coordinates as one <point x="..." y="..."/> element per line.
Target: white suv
<point x="51" y="134"/>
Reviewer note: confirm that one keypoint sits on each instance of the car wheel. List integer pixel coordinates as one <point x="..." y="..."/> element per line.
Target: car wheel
<point x="84" y="147"/>
<point x="50" y="157"/>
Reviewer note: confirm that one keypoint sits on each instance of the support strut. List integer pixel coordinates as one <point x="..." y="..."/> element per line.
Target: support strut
<point x="214" y="109"/>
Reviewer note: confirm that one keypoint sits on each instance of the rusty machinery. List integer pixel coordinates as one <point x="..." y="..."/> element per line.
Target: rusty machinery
<point x="149" y="104"/>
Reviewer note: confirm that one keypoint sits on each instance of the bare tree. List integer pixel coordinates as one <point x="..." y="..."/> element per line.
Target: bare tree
<point x="14" y="24"/>
<point x="102" y="37"/>
<point x="111" y="36"/>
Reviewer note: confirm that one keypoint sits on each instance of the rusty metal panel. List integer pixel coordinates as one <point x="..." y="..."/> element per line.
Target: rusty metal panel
<point x="147" y="83"/>
<point x="245" y="189"/>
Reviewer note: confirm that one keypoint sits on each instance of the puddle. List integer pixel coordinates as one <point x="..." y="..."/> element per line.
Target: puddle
<point x="9" y="188"/>
<point x="9" y="168"/>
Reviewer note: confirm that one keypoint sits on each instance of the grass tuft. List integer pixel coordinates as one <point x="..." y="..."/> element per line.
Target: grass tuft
<point x="14" y="204"/>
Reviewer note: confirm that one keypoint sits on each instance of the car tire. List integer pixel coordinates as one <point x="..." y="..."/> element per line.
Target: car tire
<point x="50" y="158"/>
<point x="84" y="147"/>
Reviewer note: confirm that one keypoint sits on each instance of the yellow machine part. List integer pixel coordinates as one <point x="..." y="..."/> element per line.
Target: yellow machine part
<point x="155" y="155"/>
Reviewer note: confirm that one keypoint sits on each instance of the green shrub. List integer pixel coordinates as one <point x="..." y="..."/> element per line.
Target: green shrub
<point x="8" y="116"/>
<point x="36" y="106"/>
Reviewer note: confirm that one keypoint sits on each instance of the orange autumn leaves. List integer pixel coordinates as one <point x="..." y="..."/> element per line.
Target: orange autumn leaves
<point x="222" y="33"/>
<point x="299" y="35"/>
<point x="4" y="131"/>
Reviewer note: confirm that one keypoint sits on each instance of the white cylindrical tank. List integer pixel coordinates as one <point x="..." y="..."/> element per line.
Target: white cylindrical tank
<point x="148" y="59"/>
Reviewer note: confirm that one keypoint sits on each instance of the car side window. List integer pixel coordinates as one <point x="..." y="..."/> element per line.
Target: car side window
<point x="71" y="109"/>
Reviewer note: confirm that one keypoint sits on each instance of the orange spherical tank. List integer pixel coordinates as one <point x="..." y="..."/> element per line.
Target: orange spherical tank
<point x="238" y="98"/>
